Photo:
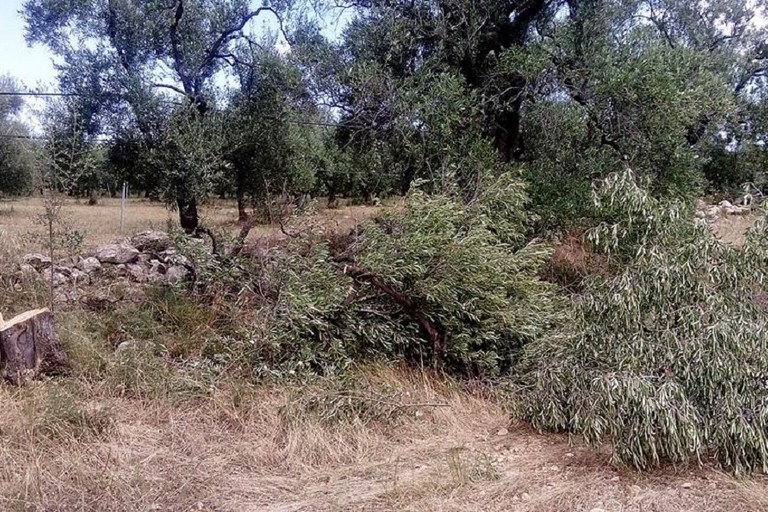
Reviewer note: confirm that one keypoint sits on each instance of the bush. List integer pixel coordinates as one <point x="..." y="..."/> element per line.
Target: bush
<point x="667" y="360"/>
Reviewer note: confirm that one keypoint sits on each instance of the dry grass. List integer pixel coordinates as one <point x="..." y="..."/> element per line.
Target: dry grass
<point x="101" y="222"/>
<point x="234" y="448"/>
<point x="733" y="228"/>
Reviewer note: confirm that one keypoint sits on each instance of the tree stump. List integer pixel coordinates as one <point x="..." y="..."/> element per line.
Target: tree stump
<point x="30" y="346"/>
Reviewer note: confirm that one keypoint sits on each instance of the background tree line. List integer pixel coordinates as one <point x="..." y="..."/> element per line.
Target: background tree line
<point x="184" y="99"/>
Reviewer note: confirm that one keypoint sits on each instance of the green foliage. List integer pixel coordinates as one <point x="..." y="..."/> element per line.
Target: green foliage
<point x="71" y="160"/>
<point x="188" y="155"/>
<point x="16" y="153"/>
<point x="634" y="100"/>
<point x="463" y="268"/>
<point x="302" y="329"/>
<point x="665" y="360"/>
<point x="17" y="169"/>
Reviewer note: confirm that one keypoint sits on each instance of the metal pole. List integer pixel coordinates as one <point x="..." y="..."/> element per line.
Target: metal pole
<point x="122" y="207"/>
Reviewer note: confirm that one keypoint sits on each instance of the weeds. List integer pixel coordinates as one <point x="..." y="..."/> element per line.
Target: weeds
<point x="55" y="412"/>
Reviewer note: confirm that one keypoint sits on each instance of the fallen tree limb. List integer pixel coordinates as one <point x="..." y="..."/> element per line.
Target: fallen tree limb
<point x="432" y="330"/>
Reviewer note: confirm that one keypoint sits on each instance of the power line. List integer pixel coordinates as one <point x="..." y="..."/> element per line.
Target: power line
<point x="39" y="94"/>
<point x="26" y="137"/>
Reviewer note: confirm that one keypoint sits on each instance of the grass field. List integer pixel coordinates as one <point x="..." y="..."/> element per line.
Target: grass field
<point x="101" y="223"/>
<point x="135" y="432"/>
<point x="79" y="445"/>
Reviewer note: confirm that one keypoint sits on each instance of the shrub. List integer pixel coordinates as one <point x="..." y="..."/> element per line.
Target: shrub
<point x="667" y="359"/>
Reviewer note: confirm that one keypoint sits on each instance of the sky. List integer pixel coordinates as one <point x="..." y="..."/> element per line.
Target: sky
<point x="33" y="67"/>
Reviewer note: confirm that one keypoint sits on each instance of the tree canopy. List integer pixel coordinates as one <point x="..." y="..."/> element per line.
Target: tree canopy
<point x="16" y="165"/>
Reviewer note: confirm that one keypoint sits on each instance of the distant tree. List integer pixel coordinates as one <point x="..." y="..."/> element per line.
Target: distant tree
<point x="269" y="119"/>
<point x="74" y="160"/>
<point x="16" y="158"/>
<point x="140" y="55"/>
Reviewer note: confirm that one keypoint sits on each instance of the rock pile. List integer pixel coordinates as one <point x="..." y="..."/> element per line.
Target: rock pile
<point x="714" y="212"/>
<point x="148" y="257"/>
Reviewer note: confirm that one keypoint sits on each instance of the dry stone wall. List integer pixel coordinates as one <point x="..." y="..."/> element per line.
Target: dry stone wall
<point x="126" y="266"/>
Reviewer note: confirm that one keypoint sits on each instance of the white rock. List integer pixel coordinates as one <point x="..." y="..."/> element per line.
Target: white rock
<point x="713" y="211"/>
<point x="27" y="270"/>
<point x="37" y="260"/>
<point x="176" y="274"/>
<point x="157" y="266"/>
<point x="70" y="262"/>
<point x="736" y="210"/>
<point x="117" y="254"/>
<point x="89" y="265"/>
<point x="80" y="277"/>
<point x="63" y="270"/>
<point x="687" y="485"/>
<point x="502" y="432"/>
<point x="137" y="272"/>
<point x="171" y="257"/>
<point x="58" y="278"/>
<point x="151" y="241"/>
<point x="124" y="347"/>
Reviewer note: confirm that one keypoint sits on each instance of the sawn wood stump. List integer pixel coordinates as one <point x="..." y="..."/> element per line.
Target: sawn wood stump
<point x="30" y="346"/>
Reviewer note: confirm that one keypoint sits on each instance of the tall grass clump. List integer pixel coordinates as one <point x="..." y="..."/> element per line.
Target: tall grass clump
<point x="667" y="360"/>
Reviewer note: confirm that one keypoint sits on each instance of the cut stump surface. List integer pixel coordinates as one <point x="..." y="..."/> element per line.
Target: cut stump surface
<point x="30" y="346"/>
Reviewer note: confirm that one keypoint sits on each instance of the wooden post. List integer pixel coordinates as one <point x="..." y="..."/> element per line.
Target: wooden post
<point x="122" y="207"/>
<point x="30" y="346"/>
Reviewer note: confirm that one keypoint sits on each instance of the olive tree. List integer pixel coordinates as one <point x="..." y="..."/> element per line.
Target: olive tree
<point x="16" y="159"/>
<point x="141" y="55"/>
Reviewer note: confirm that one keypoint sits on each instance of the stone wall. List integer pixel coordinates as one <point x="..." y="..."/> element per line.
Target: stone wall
<point x="112" y="270"/>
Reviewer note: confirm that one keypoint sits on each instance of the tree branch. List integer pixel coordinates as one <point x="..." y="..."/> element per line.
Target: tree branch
<point x="432" y="330"/>
<point x="171" y="87"/>
<point x="759" y="71"/>
<point x="215" y="51"/>
<point x="176" y="48"/>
